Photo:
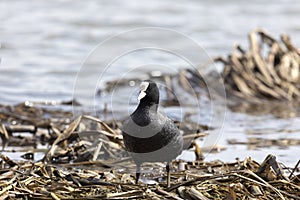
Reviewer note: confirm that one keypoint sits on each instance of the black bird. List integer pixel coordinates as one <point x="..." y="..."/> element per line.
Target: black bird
<point x="148" y="135"/>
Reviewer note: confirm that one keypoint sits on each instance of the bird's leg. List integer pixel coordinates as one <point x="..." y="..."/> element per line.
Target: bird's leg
<point x="168" y="174"/>
<point x="138" y="173"/>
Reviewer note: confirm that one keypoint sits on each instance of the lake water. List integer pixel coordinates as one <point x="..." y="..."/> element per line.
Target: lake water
<point x="45" y="43"/>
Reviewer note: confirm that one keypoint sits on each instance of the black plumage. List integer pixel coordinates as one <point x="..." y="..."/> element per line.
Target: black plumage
<point x="148" y="135"/>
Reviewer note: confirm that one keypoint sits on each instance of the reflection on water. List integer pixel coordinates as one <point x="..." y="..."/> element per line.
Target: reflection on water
<point x="256" y="123"/>
<point x="282" y="109"/>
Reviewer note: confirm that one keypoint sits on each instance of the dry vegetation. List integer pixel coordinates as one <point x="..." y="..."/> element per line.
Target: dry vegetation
<point x="269" y="69"/>
<point x="86" y="160"/>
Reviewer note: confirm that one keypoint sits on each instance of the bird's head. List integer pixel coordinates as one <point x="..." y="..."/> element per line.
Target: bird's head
<point x="149" y="93"/>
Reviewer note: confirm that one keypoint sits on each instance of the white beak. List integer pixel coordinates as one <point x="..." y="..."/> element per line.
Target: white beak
<point x="141" y="95"/>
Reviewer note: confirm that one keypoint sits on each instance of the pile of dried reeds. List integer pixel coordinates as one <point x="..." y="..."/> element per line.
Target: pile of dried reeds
<point x="86" y="161"/>
<point x="82" y="139"/>
<point x="270" y="69"/>
<point x="197" y="180"/>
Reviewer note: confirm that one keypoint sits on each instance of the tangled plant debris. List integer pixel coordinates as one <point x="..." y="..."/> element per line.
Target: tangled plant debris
<point x="199" y="180"/>
<point x="270" y="69"/>
<point x="86" y="160"/>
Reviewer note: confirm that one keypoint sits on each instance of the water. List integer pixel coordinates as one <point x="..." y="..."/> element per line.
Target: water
<point x="44" y="43"/>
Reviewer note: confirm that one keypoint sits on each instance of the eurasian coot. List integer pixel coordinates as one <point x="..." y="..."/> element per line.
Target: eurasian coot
<point x="148" y="135"/>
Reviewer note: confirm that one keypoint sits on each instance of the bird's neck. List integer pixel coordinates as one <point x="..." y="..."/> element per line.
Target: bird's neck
<point x="147" y="107"/>
<point x="143" y="115"/>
